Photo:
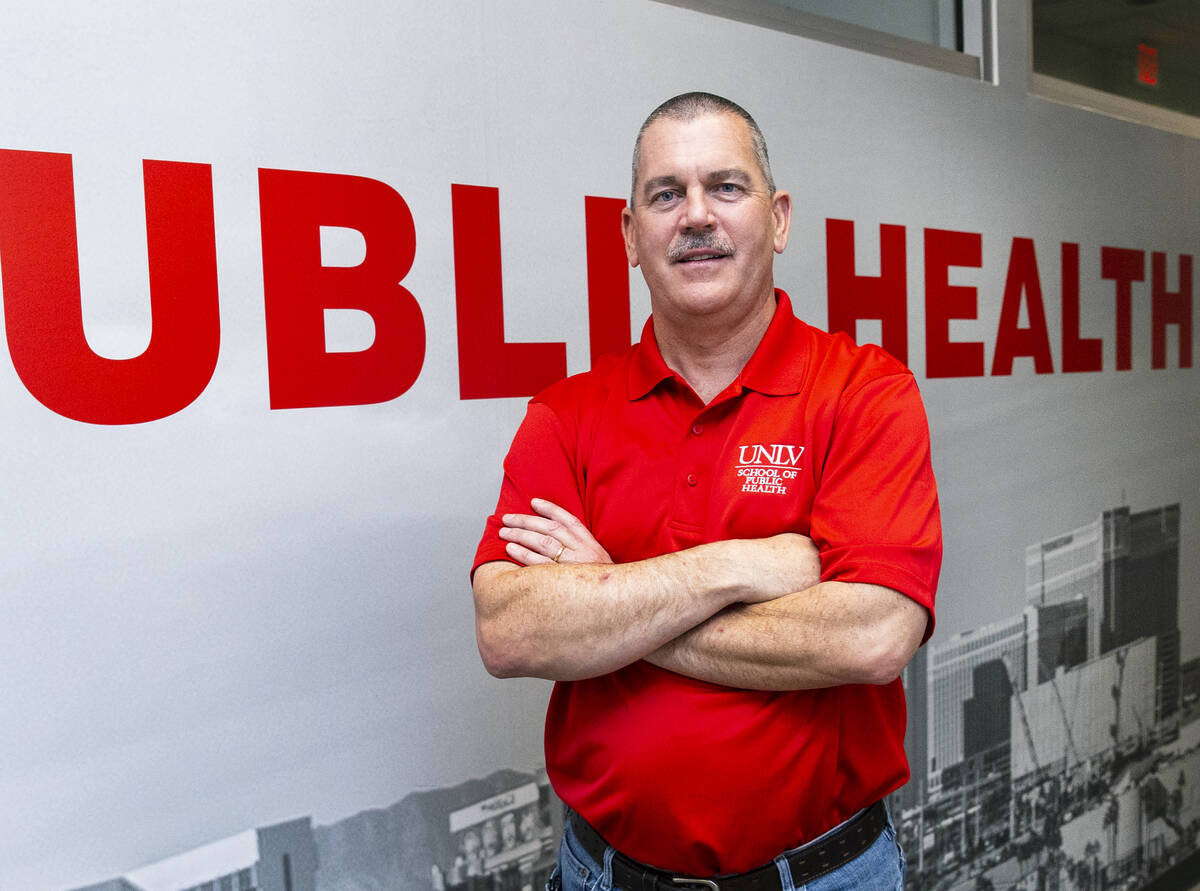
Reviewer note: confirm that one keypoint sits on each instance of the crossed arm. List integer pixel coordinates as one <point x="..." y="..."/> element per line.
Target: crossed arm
<point x="745" y="612"/>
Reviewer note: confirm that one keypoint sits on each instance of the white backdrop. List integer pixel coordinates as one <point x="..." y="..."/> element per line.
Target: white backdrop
<point x="233" y="615"/>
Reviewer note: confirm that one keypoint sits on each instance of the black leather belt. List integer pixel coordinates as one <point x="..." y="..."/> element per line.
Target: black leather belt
<point x="811" y="862"/>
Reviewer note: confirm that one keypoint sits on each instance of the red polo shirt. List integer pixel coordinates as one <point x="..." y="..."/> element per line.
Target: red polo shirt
<point x="815" y="436"/>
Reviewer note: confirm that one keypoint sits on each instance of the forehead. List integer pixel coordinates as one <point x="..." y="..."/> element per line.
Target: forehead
<point x="674" y="147"/>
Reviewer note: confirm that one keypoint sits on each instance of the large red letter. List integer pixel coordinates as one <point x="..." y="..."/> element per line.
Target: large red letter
<point x="1124" y="266"/>
<point x="945" y="248"/>
<point x="607" y="277"/>
<point x="43" y="315"/>
<point x="488" y="366"/>
<point x="1079" y="354"/>
<point x="1168" y="308"/>
<point x="884" y="296"/>
<point x="297" y="289"/>
<point x="1012" y="340"/>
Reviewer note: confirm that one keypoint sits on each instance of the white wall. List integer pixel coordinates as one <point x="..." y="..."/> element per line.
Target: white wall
<point x="234" y="615"/>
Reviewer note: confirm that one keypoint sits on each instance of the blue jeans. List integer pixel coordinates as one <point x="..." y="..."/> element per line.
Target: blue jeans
<point x="879" y="868"/>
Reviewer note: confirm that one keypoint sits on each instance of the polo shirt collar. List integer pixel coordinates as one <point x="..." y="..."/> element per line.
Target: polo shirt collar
<point x="772" y="368"/>
<point x="648" y="368"/>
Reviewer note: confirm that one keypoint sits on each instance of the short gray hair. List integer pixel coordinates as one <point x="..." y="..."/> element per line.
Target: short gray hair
<point x="689" y="106"/>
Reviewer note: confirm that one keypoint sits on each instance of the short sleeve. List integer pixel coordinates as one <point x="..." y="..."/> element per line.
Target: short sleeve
<point x="541" y="463"/>
<point x="875" y="517"/>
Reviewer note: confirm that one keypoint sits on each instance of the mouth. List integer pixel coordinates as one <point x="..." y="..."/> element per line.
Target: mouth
<point x="700" y="257"/>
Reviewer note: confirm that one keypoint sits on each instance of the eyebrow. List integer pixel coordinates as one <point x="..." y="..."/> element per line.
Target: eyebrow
<point x="727" y="174"/>
<point x="736" y="174"/>
<point x="658" y="182"/>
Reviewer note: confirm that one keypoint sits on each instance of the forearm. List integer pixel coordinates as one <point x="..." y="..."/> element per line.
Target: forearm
<point x="570" y="621"/>
<point x="574" y="620"/>
<point x="830" y="634"/>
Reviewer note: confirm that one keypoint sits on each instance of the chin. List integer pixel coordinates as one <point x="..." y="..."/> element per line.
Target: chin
<point x="700" y="302"/>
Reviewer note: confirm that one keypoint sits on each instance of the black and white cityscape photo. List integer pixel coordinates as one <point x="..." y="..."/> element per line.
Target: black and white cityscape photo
<point x="1057" y="749"/>
<point x="1060" y="748"/>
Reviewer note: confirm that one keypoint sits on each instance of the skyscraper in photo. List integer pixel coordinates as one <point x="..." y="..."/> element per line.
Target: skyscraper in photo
<point x="1067" y="568"/>
<point x="916" y="695"/>
<point x="952" y="678"/>
<point x="1141" y="591"/>
<point x="1125" y="568"/>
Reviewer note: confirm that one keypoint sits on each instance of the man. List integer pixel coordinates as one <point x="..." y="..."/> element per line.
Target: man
<point x="723" y="546"/>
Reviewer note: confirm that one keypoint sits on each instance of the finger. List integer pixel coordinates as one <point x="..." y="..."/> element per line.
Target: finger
<point x="571" y="531"/>
<point x="546" y="545"/>
<point x="552" y="511"/>
<point x="562" y="534"/>
<point x="524" y="556"/>
<point x="529" y="521"/>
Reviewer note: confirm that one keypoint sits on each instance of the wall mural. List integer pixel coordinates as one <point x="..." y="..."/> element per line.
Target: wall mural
<point x="1059" y="748"/>
<point x="277" y="280"/>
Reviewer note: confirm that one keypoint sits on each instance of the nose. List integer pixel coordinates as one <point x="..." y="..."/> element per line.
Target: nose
<point x="697" y="214"/>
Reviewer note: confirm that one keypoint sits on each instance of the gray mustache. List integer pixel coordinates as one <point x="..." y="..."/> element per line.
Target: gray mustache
<point x="707" y="241"/>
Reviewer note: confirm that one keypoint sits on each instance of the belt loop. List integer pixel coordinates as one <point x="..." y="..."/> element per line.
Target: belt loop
<point x="606" y="880"/>
<point x="785" y="873"/>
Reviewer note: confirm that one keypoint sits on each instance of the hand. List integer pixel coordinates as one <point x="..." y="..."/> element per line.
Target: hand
<point x="775" y="566"/>
<point x="552" y="535"/>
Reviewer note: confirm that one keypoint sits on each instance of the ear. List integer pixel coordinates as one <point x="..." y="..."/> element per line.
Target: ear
<point x="781" y="210"/>
<point x="629" y="231"/>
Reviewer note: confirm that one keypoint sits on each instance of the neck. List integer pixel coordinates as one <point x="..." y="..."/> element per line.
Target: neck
<point x="709" y="352"/>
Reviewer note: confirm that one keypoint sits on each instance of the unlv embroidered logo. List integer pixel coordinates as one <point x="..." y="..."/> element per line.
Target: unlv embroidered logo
<point x="768" y="469"/>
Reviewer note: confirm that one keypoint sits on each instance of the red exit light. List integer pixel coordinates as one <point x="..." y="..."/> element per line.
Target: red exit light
<point x="1147" y="64"/>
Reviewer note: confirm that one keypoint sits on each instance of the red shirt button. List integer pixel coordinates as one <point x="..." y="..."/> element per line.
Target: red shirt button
<point x="697" y="429"/>
<point x="692" y="479"/>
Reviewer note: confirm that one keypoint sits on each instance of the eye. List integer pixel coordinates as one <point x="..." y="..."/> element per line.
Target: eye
<point x="664" y="197"/>
<point x="728" y="188"/>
